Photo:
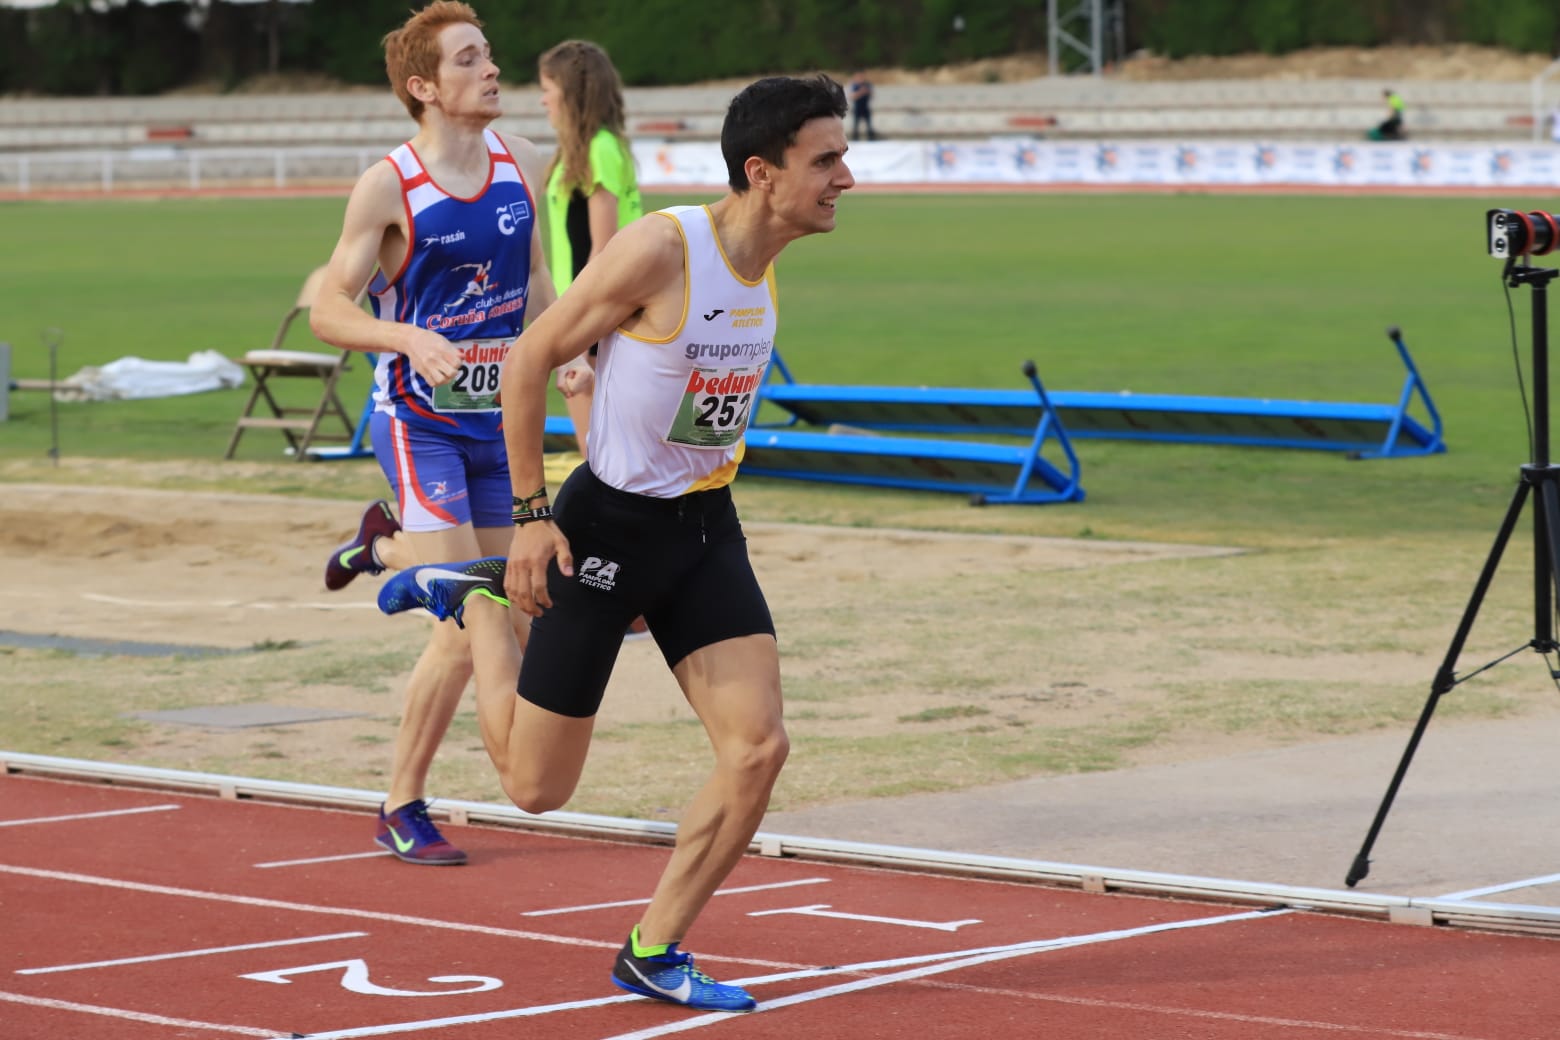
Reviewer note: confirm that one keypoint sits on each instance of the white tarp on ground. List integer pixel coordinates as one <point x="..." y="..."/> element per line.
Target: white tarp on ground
<point x="131" y="378"/>
<point x="1163" y="163"/>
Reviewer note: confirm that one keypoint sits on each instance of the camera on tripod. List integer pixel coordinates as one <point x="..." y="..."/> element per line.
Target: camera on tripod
<point x="1514" y="233"/>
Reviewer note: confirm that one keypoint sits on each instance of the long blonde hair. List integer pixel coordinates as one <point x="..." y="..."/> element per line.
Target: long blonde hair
<point x="592" y="100"/>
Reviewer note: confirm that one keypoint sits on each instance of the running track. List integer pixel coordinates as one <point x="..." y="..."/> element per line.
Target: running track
<point x="132" y="912"/>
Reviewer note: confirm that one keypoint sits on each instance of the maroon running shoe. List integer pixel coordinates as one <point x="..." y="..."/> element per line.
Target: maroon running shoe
<point x="357" y="556"/>
<point x="411" y="836"/>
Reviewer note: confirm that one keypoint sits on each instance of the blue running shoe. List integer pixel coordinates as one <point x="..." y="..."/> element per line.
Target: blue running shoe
<point x="411" y="837"/>
<point x="669" y="975"/>
<point x="443" y="588"/>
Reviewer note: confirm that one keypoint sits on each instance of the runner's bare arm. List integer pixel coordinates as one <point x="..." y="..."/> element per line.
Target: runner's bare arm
<point x="372" y="220"/>
<point x="638" y="278"/>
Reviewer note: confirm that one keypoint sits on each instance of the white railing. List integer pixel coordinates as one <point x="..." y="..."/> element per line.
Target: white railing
<point x="171" y="168"/>
<point x="1123" y="162"/>
<point x="1537" y="89"/>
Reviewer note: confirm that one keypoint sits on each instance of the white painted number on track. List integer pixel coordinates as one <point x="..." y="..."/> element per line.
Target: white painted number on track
<point x="822" y="910"/>
<point x="354" y="977"/>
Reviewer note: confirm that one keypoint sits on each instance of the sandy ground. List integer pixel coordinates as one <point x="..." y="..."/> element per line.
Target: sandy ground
<point x="220" y="570"/>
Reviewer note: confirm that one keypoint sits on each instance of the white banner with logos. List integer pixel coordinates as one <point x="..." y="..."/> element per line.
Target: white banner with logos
<point x="1150" y="164"/>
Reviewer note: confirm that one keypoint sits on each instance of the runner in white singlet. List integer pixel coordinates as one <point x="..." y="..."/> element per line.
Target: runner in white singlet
<point x="685" y="304"/>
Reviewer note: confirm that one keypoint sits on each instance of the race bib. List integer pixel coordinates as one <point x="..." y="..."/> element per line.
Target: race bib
<point x="475" y="386"/>
<point x="715" y="406"/>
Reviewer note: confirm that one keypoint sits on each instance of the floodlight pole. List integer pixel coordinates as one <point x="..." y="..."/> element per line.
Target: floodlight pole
<point x="1539" y="475"/>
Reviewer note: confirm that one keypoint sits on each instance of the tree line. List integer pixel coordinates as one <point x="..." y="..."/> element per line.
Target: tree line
<point x="126" y="47"/>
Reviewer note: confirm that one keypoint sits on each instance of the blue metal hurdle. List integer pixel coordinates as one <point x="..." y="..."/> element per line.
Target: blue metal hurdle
<point x="1358" y="430"/>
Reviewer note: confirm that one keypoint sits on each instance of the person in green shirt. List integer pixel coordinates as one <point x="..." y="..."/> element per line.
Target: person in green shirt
<point x="592" y="187"/>
<point x="1390" y="128"/>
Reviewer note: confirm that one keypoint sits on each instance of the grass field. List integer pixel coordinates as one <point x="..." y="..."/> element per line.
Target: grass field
<point x="1362" y="561"/>
<point x="1196" y="294"/>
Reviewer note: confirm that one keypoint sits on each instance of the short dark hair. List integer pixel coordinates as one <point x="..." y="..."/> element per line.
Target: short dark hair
<point x="764" y="119"/>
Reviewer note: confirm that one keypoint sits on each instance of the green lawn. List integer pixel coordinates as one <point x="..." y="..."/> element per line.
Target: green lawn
<point x="1194" y="294"/>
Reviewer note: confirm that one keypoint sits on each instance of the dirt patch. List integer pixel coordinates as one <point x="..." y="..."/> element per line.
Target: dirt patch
<point x="1460" y="62"/>
<point x="858" y="610"/>
<point x="913" y="661"/>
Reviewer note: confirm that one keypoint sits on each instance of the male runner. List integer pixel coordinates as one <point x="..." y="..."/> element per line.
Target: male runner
<point x="446" y="227"/>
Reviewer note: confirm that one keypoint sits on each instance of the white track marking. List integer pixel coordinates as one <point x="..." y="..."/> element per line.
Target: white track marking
<point x="88" y="815"/>
<point x="1352" y="1029"/>
<point x="643" y="902"/>
<point x="392" y="1028"/>
<point x="207" y="604"/>
<point x="320" y="859"/>
<point x="337" y="911"/>
<point x="1020" y="950"/>
<point x="191" y="953"/>
<point x="940" y="962"/>
<point x="1474" y="893"/>
<point x="134" y="1016"/>
<point x="825" y="910"/>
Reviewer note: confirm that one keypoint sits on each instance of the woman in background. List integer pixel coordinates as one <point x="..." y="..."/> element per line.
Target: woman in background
<point x="592" y="189"/>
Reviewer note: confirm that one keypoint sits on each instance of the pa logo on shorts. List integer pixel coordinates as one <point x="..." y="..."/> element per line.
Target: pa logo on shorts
<point x="598" y="573"/>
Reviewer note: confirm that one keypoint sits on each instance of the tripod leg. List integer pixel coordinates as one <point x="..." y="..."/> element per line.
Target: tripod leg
<point x="1546" y="569"/>
<point x="1445" y="679"/>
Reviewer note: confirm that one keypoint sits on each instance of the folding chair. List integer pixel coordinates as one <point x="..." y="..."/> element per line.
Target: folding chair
<point x="269" y="406"/>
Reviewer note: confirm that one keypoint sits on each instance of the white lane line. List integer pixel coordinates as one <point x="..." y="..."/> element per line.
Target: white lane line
<point x="134" y="1016"/>
<point x="339" y="911"/>
<point x="191" y="953"/>
<point x="825" y="910"/>
<point x="1474" y="893"/>
<point x="87" y="815"/>
<point x="914" y="974"/>
<point x="206" y="604"/>
<point x="1352" y="1029"/>
<point x="392" y="1028"/>
<point x="948" y="961"/>
<point x="643" y="902"/>
<point x="320" y="859"/>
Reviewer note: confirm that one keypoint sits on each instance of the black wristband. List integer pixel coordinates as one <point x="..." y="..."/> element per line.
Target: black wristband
<point x="540" y="492"/>
<point x="539" y="513"/>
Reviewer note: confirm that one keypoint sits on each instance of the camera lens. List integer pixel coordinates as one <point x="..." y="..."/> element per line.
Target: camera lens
<point x="1513" y="233"/>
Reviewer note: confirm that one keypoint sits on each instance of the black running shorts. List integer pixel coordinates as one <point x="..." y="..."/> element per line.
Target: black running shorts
<point x="680" y="562"/>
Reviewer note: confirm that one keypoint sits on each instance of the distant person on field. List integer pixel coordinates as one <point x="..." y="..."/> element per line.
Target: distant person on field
<point x="860" y="93"/>
<point x="592" y="188"/>
<point x="1391" y="128"/>
<point x="453" y="200"/>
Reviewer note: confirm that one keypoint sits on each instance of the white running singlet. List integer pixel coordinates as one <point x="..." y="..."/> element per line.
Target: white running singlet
<point x="669" y="414"/>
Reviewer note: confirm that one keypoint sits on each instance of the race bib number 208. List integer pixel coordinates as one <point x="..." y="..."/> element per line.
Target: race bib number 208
<point x="715" y="407"/>
<point x="475" y="386"/>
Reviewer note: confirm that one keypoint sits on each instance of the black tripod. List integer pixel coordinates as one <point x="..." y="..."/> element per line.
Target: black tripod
<point x="1538" y="478"/>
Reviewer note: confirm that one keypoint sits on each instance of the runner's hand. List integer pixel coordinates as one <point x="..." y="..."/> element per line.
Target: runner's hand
<point x="433" y="357"/>
<point x="576" y="378"/>
<point x="525" y="578"/>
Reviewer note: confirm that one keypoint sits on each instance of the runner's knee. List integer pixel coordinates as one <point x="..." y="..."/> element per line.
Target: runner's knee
<point x="757" y="761"/>
<point x="536" y="794"/>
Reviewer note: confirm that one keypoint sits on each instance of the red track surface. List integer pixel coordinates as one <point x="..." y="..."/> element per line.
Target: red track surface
<point x="187" y="916"/>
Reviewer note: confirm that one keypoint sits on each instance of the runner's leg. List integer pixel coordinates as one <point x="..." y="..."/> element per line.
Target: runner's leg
<point x="734" y="688"/>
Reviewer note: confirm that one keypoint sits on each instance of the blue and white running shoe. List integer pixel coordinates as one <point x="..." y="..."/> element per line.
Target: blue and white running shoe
<point x="442" y="589"/>
<point x="669" y="975"/>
